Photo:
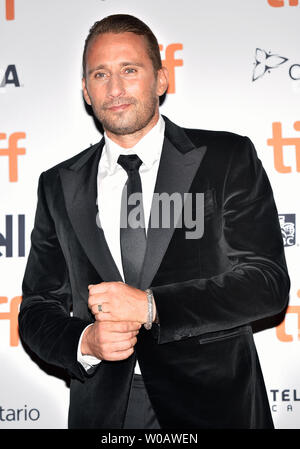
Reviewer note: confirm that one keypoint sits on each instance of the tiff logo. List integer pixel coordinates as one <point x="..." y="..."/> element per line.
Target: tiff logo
<point x="13" y="151"/>
<point x="170" y="62"/>
<point x="279" y="3"/>
<point x="12" y="316"/>
<point x="278" y="143"/>
<point x="10" y="9"/>
<point x="6" y="240"/>
<point x="281" y="331"/>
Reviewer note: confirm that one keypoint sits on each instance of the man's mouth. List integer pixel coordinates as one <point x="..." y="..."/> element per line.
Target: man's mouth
<point x="119" y="107"/>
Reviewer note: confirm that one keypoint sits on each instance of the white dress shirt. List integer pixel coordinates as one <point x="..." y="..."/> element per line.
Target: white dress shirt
<point x="110" y="182"/>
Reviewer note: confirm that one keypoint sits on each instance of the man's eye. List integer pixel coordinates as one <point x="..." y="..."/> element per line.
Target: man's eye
<point x="100" y="75"/>
<point x="130" y="70"/>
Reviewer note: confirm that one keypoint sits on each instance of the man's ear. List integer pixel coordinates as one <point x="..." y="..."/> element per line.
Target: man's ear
<point x="85" y="92"/>
<point x="162" y="81"/>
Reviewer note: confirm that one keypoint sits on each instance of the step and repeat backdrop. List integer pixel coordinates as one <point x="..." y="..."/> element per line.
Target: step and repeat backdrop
<point x="234" y="66"/>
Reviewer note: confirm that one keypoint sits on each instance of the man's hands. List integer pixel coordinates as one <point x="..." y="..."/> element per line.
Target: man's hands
<point x="124" y="310"/>
<point x="120" y="302"/>
<point x="108" y="340"/>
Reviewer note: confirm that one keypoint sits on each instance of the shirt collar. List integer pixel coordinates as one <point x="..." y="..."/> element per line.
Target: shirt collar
<point x="148" y="148"/>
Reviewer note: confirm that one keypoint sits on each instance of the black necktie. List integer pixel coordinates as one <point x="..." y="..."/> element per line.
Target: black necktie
<point x="132" y="230"/>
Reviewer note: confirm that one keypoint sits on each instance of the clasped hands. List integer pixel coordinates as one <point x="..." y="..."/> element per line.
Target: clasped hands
<point x="123" y="311"/>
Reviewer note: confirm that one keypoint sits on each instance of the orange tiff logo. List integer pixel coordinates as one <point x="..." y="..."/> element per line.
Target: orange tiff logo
<point x="279" y="3"/>
<point x="10" y="9"/>
<point x="281" y="329"/>
<point x="170" y="62"/>
<point x="278" y="143"/>
<point x="12" y="316"/>
<point x="13" y="151"/>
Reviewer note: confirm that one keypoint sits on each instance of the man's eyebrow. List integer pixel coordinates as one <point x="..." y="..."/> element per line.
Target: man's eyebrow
<point x="122" y="64"/>
<point x="101" y="66"/>
<point x="138" y="64"/>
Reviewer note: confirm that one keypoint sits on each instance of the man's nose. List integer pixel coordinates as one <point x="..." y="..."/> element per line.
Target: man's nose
<point x="116" y="86"/>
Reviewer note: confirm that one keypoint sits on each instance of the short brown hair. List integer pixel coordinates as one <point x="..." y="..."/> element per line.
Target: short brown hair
<point x="122" y="23"/>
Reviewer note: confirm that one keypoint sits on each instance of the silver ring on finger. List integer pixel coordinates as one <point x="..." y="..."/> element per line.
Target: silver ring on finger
<point x="100" y="308"/>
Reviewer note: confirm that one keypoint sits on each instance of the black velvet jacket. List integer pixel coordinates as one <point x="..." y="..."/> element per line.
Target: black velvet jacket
<point x="199" y="365"/>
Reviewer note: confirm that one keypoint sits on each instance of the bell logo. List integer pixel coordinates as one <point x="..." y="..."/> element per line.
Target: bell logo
<point x="170" y="62"/>
<point x="12" y="316"/>
<point x="10" y="76"/>
<point x="278" y="143"/>
<point x="13" y="151"/>
<point x="8" y="237"/>
<point x="10" y="9"/>
<point x="279" y="3"/>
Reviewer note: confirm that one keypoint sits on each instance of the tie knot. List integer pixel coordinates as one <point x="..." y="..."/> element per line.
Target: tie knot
<point x="130" y="162"/>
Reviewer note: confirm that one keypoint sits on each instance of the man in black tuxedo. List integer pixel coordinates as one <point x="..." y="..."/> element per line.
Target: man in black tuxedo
<point x="160" y="332"/>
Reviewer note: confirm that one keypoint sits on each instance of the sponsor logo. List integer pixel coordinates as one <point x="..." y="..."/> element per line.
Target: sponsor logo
<point x="7" y="240"/>
<point x="281" y="144"/>
<point x="280" y="3"/>
<point x="288" y="228"/>
<point x="284" y="399"/>
<point x="267" y="61"/>
<point x="171" y="62"/>
<point x="12" y="316"/>
<point x="10" y="9"/>
<point x="13" y="151"/>
<point x="289" y="329"/>
<point x="10" y="76"/>
<point x="19" y="414"/>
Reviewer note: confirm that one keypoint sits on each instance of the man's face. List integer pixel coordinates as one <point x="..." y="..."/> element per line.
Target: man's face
<point x="120" y="83"/>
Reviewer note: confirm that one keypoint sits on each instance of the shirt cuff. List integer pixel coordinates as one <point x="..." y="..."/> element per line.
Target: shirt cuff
<point x="87" y="361"/>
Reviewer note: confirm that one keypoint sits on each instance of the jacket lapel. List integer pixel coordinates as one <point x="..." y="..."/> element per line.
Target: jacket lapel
<point x="79" y="182"/>
<point x="180" y="160"/>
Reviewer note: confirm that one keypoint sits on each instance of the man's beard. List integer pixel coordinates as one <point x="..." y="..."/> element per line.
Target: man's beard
<point x="130" y="121"/>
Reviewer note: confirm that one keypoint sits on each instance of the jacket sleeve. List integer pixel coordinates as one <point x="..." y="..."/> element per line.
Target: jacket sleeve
<point x="256" y="285"/>
<point x="45" y="321"/>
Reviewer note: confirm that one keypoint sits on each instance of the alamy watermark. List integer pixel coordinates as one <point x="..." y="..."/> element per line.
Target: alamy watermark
<point x="168" y="210"/>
